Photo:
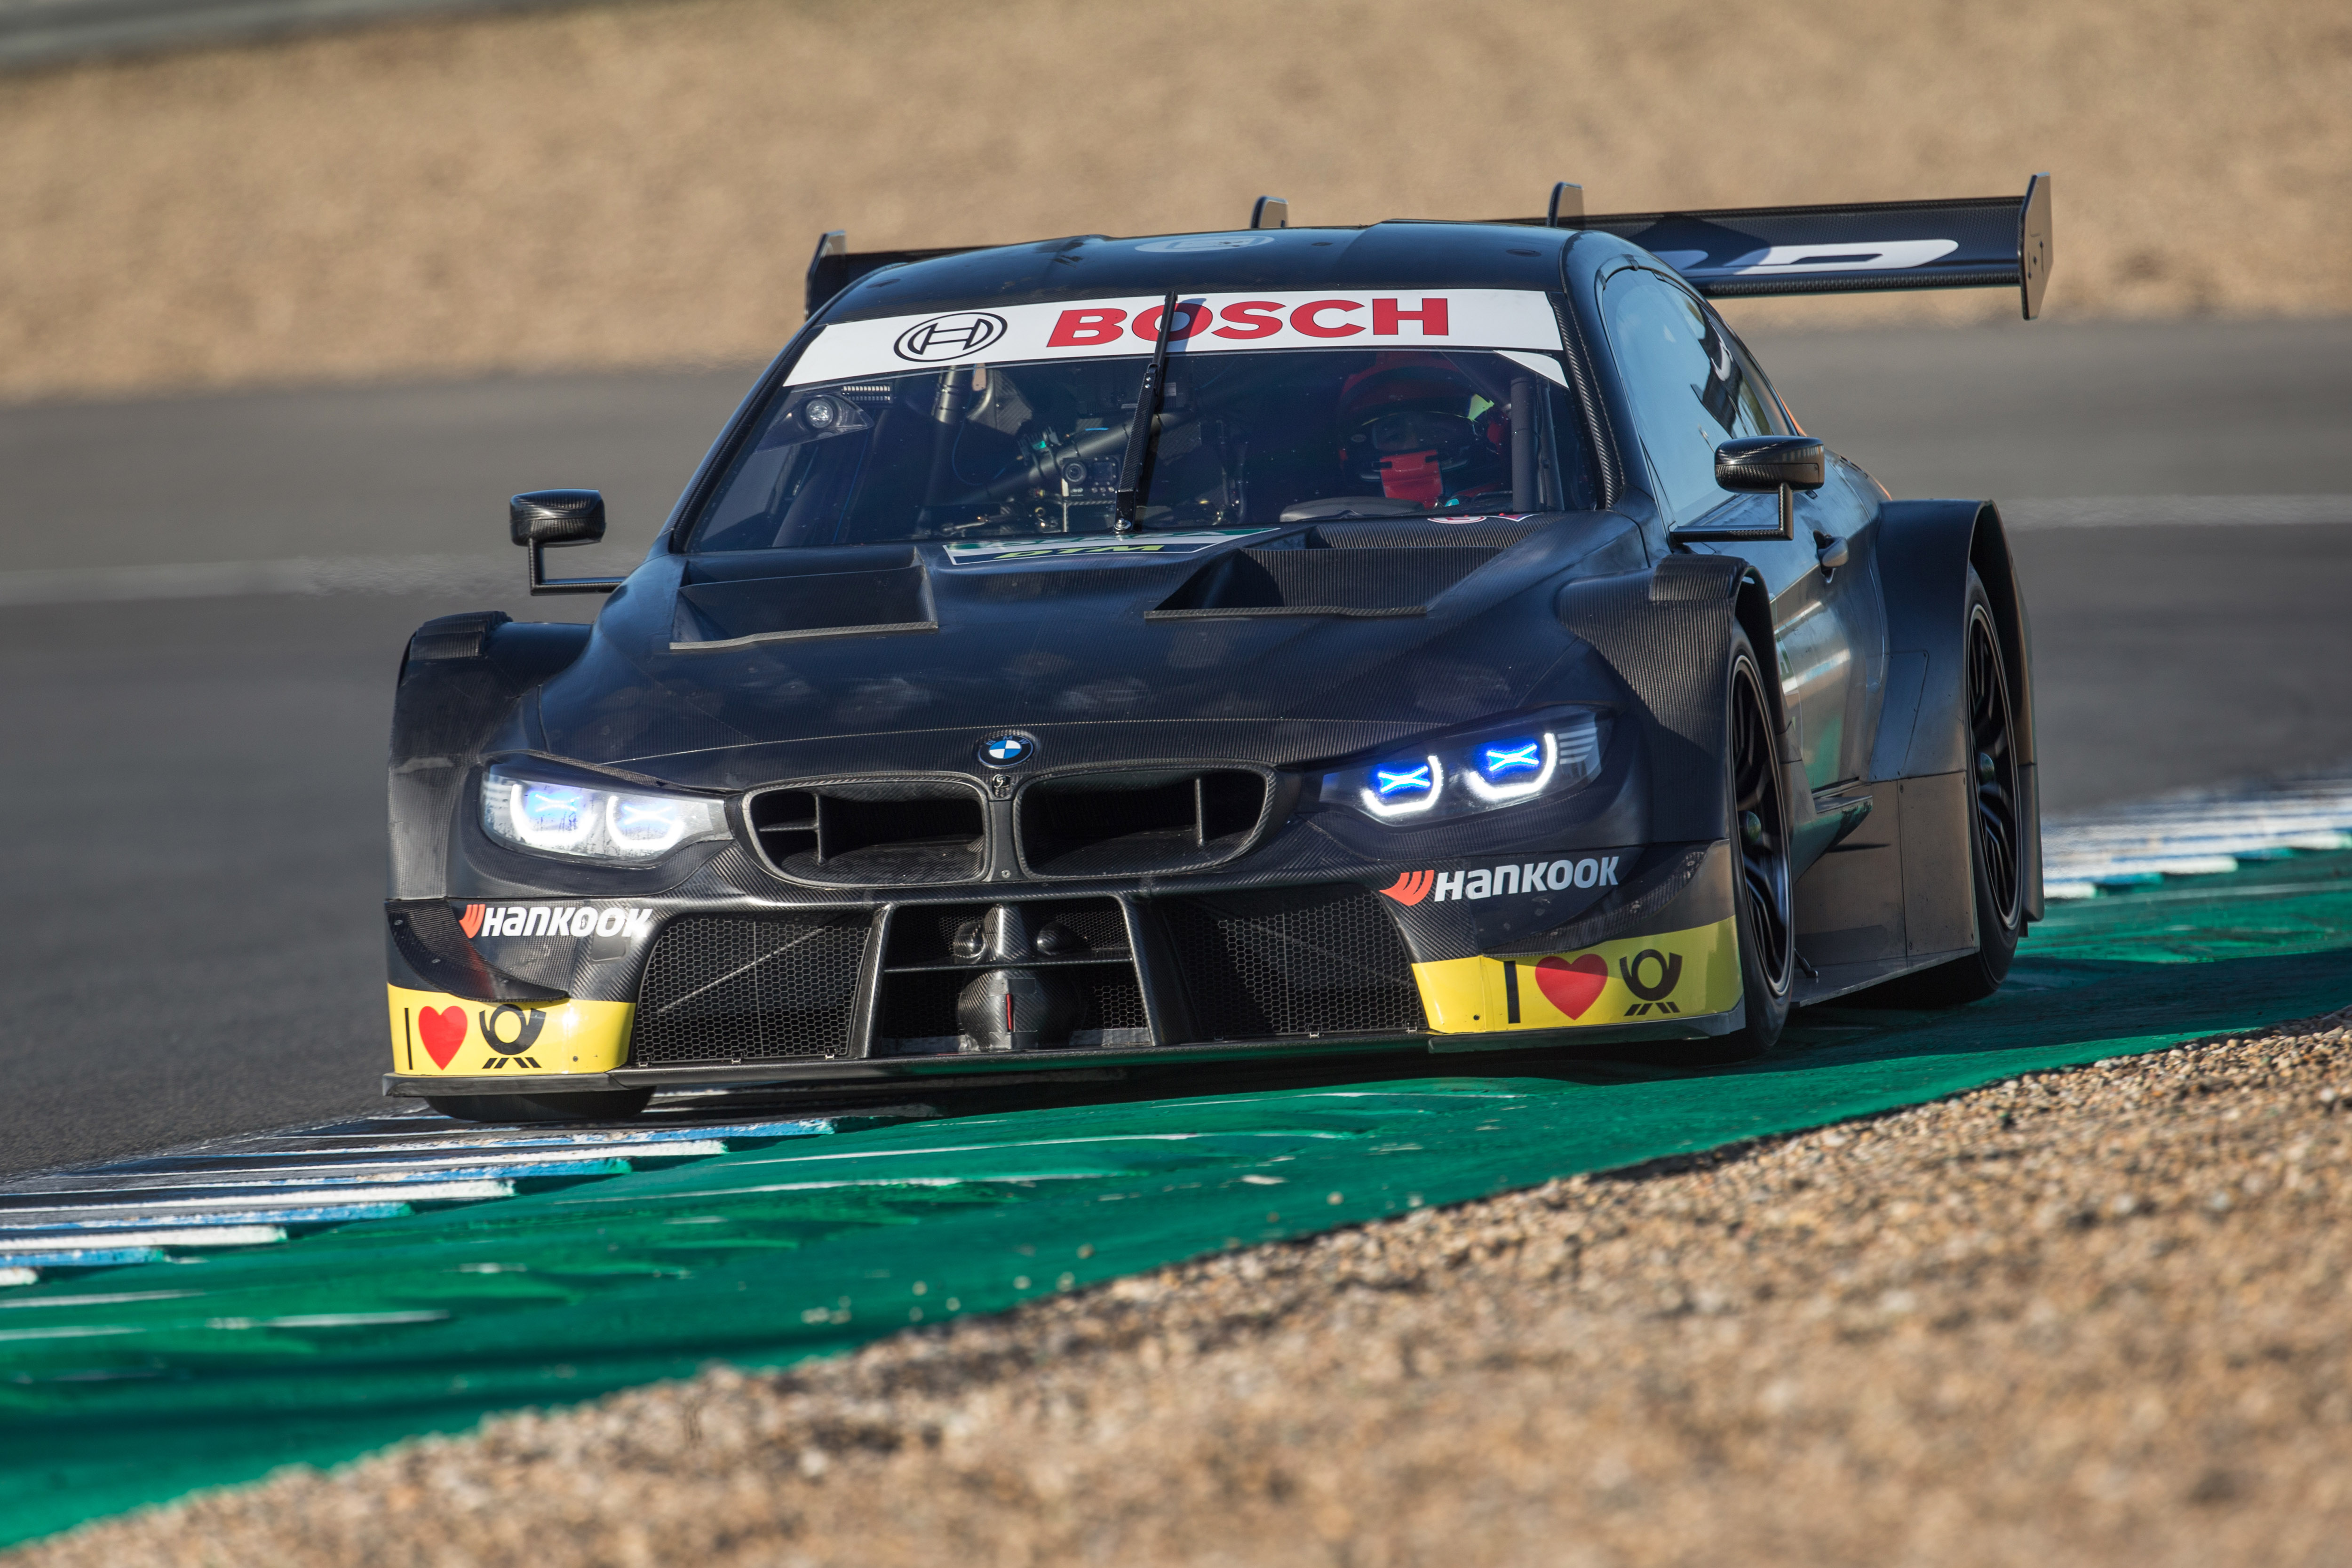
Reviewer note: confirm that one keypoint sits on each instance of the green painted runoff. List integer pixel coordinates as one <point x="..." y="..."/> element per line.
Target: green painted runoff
<point x="136" y="1385"/>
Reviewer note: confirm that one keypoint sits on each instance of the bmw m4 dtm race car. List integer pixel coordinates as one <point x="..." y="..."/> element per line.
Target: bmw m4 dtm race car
<point x="1183" y="649"/>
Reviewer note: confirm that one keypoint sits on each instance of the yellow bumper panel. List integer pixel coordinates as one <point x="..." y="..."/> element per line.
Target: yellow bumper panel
<point x="435" y="1035"/>
<point x="1686" y="972"/>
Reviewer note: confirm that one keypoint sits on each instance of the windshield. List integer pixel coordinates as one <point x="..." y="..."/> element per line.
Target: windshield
<point x="1030" y="448"/>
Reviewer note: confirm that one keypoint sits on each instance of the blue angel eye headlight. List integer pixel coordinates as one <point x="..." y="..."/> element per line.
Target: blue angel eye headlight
<point x="1545" y="754"/>
<point x="1401" y="788"/>
<point x="646" y="822"/>
<point x="1391" y="782"/>
<point x="551" y="816"/>
<point x="1513" y="769"/>
<point x="581" y="821"/>
<point x="1513" y="756"/>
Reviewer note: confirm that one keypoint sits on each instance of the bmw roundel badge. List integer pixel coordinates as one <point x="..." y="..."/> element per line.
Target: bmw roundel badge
<point x="1007" y="751"/>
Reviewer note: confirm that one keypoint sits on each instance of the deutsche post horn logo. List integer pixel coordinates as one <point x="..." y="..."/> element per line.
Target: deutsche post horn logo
<point x="528" y="1022"/>
<point x="1670" y="974"/>
<point x="955" y="337"/>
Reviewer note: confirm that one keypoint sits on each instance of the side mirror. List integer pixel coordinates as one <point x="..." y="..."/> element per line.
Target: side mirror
<point x="1763" y="464"/>
<point x="538" y="518"/>
<point x="1771" y="463"/>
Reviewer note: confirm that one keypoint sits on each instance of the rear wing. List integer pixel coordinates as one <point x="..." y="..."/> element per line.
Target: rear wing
<point x="1983" y="242"/>
<point x="1988" y="242"/>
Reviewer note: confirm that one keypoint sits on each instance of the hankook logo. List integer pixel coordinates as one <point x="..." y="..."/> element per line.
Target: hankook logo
<point x="955" y="337"/>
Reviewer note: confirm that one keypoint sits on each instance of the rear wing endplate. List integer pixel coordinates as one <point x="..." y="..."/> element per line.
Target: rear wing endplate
<point x="1986" y="242"/>
<point x="834" y="268"/>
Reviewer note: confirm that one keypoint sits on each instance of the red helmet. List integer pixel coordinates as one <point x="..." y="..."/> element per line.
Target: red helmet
<point x="1419" y="428"/>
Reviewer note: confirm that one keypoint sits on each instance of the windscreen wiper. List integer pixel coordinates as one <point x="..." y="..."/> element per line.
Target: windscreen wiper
<point x="1134" y="473"/>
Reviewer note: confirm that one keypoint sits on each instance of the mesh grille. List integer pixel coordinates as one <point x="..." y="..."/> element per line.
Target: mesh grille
<point x="719" y="990"/>
<point x="1294" y="961"/>
<point x="1113" y="1000"/>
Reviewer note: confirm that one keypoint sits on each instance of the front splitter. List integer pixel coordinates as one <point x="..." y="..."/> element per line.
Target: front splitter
<point x="1067" y="1066"/>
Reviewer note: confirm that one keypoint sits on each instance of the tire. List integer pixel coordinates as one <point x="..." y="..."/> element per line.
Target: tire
<point x="1996" y="836"/>
<point x="1764" y="906"/>
<point x="590" y="1105"/>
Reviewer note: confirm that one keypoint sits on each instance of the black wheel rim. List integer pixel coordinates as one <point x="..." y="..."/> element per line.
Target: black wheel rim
<point x="1992" y="762"/>
<point x="1760" y="829"/>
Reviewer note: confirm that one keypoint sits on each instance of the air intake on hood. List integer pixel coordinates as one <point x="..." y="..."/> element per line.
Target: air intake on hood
<point x="862" y="596"/>
<point x="886" y="832"/>
<point x="1399" y="580"/>
<point x="1109" y="824"/>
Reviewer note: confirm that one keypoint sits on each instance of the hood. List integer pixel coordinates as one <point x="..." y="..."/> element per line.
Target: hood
<point x="1275" y="645"/>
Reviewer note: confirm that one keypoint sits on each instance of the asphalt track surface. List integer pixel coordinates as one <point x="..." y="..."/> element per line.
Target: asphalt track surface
<point x="194" y="784"/>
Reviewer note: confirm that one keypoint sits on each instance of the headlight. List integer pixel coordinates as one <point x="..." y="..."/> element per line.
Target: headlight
<point x="630" y="828"/>
<point x="1547" y="755"/>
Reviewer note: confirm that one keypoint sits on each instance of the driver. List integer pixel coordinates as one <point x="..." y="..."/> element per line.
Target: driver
<point x="1418" y="427"/>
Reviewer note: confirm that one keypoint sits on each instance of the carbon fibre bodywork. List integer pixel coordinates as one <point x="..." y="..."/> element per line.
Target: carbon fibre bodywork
<point x="874" y="676"/>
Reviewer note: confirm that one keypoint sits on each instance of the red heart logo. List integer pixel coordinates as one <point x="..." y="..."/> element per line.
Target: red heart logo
<point x="1571" y="984"/>
<point x="443" y="1030"/>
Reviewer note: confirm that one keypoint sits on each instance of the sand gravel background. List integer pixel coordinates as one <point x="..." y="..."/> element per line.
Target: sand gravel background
<point x="2094" y="1317"/>
<point x="641" y="185"/>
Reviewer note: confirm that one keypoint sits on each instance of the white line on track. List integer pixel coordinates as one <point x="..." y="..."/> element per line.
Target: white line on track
<point x="2144" y="512"/>
<point x="2196" y="833"/>
<point x="463" y="575"/>
<point x="264" y="1188"/>
<point x="235" y="579"/>
<point x="391" y="1194"/>
<point x="12" y="1244"/>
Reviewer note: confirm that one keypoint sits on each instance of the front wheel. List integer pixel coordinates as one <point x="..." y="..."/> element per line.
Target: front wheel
<point x="1763" y="905"/>
<point x="586" y="1105"/>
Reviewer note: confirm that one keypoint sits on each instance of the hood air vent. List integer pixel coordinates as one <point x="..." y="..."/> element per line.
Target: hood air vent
<point x="1399" y="580"/>
<point x="865" y="592"/>
<point x="1112" y="824"/>
<point x="886" y="832"/>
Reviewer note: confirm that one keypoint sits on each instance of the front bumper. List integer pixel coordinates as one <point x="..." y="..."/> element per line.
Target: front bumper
<point x="704" y="987"/>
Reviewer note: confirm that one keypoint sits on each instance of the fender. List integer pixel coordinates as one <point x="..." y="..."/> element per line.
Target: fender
<point x="1666" y="633"/>
<point x="458" y="678"/>
<point x="1925" y="548"/>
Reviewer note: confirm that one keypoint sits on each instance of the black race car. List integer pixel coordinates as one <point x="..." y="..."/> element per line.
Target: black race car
<point x="1432" y="635"/>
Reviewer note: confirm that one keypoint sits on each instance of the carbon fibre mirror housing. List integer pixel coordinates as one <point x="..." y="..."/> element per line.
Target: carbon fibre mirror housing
<point x="1765" y="463"/>
<point x="556" y="517"/>
<point x="538" y="519"/>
